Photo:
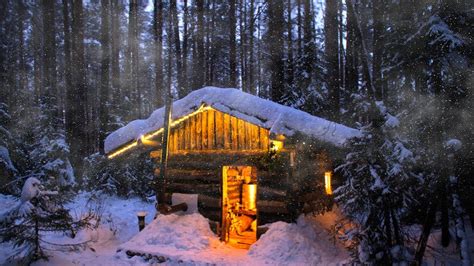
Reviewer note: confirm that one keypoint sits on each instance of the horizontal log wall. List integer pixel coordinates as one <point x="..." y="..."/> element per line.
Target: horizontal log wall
<point x="214" y="130"/>
<point x="201" y="173"/>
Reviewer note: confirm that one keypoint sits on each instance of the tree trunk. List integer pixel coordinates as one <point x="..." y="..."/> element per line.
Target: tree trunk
<point x="198" y="65"/>
<point x="341" y="46"/>
<point x="49" y="97"/>
<point x="250" y="66"/>
<point x="67" y="64"/>
<point x="77" y="100"/>
<point x="378" y="7"/>
<point x="232" y="46"/>
<point x="185" y="47"/>
<point x="243" y="44"/>
<point x="115" y="55"/>
<point x="105" y="72"/>
<point x="276" y="25"/>
<point x="177" y="49"/>
<point x="289" y="63"/>
<point x="308" y="50"/>
<point x="22" y="68"/>
<point x="351" y="53"/>
<point x="300" y="27"/>
<point x="331" y="52"/>
<point x="37" y="51"/>
<point x="131" y="60"/>
<point x="158" y="39"/>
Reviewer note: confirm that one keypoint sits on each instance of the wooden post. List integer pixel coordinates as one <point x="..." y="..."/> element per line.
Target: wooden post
<point x="161" y="184"/>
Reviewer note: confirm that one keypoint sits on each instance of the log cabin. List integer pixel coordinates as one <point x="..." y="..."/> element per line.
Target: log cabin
<point x="251" y="161"/>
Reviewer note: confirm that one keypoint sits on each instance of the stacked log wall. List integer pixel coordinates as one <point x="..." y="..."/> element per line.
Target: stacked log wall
<point x="201" y="173"/>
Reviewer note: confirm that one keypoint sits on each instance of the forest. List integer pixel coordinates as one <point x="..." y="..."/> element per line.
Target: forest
<point x="73" y="71"/>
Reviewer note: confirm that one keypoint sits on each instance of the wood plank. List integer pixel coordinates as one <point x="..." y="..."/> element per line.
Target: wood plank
<point x="204" y="129"/>
<point x="210" y="202"/>
<point x="248" y="140"/>
<point x="175" y="140"/>
<point x="241" y="134"/>
<point x="227" y="133"/>
<point x="264" y="138"/>
<point x="211" y="130"/>
<point x="234" y="129"/>
<point x="253" y="140"/>
<point x="193" y="188"/>
<point x="219" y="120"/>
<point x="199" y="131"/>
<point x="187" y="132"/>
<point x="192" y="132"/>
<point x="181" y="137"/>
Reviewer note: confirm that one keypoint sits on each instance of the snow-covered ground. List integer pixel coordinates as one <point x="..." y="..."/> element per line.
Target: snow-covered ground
<point x="187" y="239"/>
<point x="184" y="239"/>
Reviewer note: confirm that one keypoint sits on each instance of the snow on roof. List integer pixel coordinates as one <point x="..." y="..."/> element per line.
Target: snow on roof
<point x="279" y="119"/>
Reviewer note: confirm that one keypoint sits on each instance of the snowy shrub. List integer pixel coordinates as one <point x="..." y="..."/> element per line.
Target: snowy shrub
<point x="131" y="176"/>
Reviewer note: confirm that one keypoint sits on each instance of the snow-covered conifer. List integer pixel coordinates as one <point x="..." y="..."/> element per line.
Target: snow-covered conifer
<point x="378" y="188"/>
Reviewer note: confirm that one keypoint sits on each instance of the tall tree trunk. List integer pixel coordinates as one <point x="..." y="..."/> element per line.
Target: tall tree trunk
<point x="276" y="24"/>
<point x="289" y="63"/>
<point x="351" y="53"/>
<point x="331" y="53"/>
<point x="22" y="68"/>
<point x="37" y="28"/>
<point x="232" y="46"/>
<point x="49" y="98"/>
<point x="67" y="65"/>
<point x="378" y="7"/>
<point x="132" y="59"/>
<point x="77" y="103"/>
<point x="260" y="91"/>
<point x="185" y="47"/>
<point x="250" y="66"/>
<point x="243" y="44"/>
<point x="115" y="55"/>
<point x="308" y="45"/>
<point x="177" y="48"/>
<point x="104" y="74"/>
<point x="300" y="27"/>
<point x="198" y="74"/>
<point x="158" y="39"/>
<point x="341" y="46"/>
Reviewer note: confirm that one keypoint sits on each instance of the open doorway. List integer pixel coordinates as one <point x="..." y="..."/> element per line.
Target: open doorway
<point x="239" y="206"/>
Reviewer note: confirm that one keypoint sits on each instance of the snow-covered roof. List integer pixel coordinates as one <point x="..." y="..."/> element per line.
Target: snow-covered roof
<point x="279" y="119"/>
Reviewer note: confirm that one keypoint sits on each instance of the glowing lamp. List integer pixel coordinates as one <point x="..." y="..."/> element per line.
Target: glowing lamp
<point x="327" y="182"/>
<point x="276" y="145"/>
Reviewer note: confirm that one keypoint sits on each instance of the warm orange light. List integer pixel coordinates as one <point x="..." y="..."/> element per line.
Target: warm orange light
<point x="148" y="142"/>
<point x="276" y="145"/>
<point x="327" y="182"/>
<point x="146" y="139"/>
<point x="249" y="196"/>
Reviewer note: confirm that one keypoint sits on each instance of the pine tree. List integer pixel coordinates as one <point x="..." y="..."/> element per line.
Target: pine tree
<point x="39" y="211"/>
<point x="7" y="168"/>
<point x="379" y="185"/>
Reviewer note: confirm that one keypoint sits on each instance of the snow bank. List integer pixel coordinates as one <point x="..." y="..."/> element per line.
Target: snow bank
<point x="187" y="232"/>
<point x="277" y="118"/>
<point x="296" y="244"/>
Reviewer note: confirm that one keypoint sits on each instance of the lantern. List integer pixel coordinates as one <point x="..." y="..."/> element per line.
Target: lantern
<point x="327" y="182"/>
